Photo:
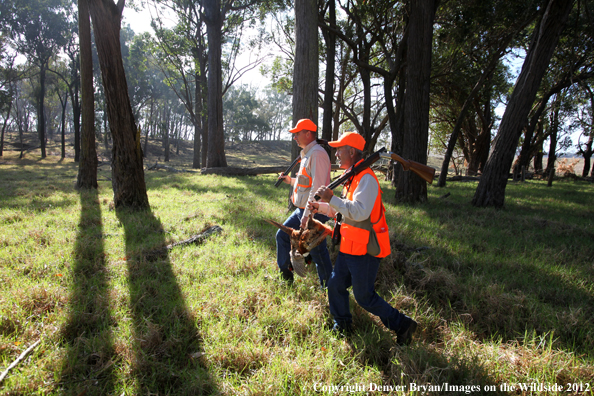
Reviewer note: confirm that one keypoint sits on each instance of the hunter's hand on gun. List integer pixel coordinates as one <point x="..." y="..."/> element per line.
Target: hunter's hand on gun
<point x="313" y="207"/>
<point x="285" y="178"/>
<point x="324" y="193"/>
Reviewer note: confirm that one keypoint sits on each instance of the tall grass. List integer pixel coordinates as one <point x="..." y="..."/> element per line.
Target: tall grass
<point x="503" y="297"/>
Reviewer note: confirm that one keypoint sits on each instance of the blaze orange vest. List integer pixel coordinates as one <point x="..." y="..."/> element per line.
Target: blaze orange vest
<point x="304" y="181"/>
<point x="369" y="236"/>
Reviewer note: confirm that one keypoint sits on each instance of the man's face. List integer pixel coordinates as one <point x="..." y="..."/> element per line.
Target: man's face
<point x="344" y="156"/>
<point x="303" y="138"/>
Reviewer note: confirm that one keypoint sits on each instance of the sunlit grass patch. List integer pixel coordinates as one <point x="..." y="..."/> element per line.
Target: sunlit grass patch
<point x="501" y="296"/>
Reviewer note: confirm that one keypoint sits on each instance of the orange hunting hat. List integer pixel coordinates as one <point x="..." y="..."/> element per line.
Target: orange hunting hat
<point x="352" y="139"/>
<point x="304" y="124"/>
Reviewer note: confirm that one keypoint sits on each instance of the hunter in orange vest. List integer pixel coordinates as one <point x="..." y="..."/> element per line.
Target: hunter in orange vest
<point x="364" y="241"/>
<point x="314" y="171"/>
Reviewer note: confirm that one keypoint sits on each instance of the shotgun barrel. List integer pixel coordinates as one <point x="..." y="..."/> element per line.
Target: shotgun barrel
<point x="286" y="172"/>
<point x="355" y="170"/>
<point x="427" y="173"/>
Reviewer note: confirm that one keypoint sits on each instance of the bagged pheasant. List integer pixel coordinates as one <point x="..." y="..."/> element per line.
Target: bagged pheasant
<point x="303" y="241"/>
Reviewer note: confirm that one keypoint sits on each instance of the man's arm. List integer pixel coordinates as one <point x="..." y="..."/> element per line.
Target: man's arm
<point x="364" y="197"/>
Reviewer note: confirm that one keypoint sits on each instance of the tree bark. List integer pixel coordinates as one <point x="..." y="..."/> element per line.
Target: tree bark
<point x="491" y="189"/>
<point x="87" y="167"/>
<point x="128" y="184"/>
<point x="588" y="152"/>
<point x="330" y="38"/>
<point x="64" y="103"/>
<point x="305" y="72"/>
<point x="216" y="135"/>
<point x="196" y="121"/>
<point x="553" y="137"/>
<point x="4" y="127"/>
<point x="411" y="188"/>
<point x="41" y="107"/>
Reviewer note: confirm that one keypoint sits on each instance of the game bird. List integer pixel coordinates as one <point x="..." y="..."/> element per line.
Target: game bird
<point x="304" y="240"/>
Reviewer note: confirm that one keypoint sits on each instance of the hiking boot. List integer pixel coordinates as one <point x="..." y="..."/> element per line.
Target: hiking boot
<point x="342" y="331"/>
<point x="287" y="276"/>
<point x="406" y="330"/>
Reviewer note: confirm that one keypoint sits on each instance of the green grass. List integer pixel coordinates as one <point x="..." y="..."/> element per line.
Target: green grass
<point x="501" y="296"/>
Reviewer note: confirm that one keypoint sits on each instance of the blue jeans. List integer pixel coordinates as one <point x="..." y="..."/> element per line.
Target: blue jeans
<point x="359" y="272"/>
<point x="319" y="254"/>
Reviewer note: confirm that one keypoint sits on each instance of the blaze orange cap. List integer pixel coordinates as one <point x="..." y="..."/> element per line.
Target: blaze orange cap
<point x="304" y="124"/>
<point x="352" y="139"/>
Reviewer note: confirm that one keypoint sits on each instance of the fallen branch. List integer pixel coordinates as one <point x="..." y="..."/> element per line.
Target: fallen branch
<point x="196" y="239"/>
<point x="169" y="168"/>
<point x="19" y="359"/>
<point x="464" y="178"/>
<point x="235" y="171"/>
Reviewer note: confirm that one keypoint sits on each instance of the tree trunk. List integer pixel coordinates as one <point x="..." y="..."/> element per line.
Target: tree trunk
<point x="588" y="156"/>
<point x="411" y="188"/>
<point x="4" y="127"/>
<point x="491" y="188"/>
<point x="398" y="132"/>
<point x="87" y="168"/>
<point x="330" y="38"/>
<point x="588" y="152"/>
<point x="167" y="124"/>
<point x="127" y="169"/>
<point x="305" y="72"/>
<point x="553" y="137"/>
<point x="216" y="135"/>
<point x="76" y="108"/>
<point x="196" y="122"/>
<point x="41" y="108"/>
<point x="64" y="103"/>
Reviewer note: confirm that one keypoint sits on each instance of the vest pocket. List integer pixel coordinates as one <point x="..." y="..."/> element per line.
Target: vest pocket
<point x="354" y="240"/>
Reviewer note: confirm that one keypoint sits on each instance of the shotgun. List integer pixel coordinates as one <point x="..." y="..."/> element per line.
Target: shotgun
<point x="345" y="176"/>
<point x="355" y="170"/>
<point x="423" y="171"/>
<point x="286" y="172"/>
<point x="295" y="162"/>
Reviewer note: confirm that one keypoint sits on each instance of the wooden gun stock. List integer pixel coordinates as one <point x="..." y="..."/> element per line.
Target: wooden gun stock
<point x="425" y="172"/>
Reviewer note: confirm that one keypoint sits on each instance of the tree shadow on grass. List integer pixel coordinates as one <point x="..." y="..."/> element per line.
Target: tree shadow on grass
<point x="166" y="344"/>
<point x="89" y="363"/>
<point x="419" y="367"/>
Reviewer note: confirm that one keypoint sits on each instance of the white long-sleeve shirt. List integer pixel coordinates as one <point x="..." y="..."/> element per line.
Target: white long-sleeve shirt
<point x="360" y="207"/>
<point x="316" y="162"/>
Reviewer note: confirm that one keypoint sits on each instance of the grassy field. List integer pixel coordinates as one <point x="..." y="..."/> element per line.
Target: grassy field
<point x="504" y="298"/>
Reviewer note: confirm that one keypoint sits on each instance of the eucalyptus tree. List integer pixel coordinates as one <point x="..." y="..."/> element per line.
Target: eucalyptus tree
<point x="127" y="166"/>
<point x="181" y="53"/>
<point x="472" y="39"/>
<point x="571" y="67"/>
<point x="491" y="188"/>
<point x="239" y="114"/>
<point x="275" y="108"/>
<point x="373" y="32"/>
<point x="38" y="30"/>
<point x="87" y="170"/>
<point x="411" y="188"/>
<point x="586" y="121"/>
<point x="222" y="16"/>
<point x="71" y="77"/>
<point x="330" y="40"/>
<point x="9" y="76"/>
